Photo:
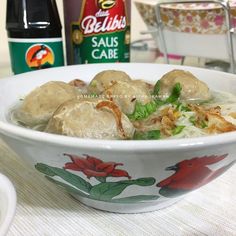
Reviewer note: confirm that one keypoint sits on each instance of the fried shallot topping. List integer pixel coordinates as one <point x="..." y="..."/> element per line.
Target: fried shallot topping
<point x="212" y="118"/>
<point x="165" y="121"/>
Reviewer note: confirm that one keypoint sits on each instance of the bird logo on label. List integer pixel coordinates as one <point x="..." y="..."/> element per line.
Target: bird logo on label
<point x="39" y="56"/>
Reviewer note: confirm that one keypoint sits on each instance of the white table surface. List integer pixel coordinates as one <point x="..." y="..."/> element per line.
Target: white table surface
<point x="44" y="209"/>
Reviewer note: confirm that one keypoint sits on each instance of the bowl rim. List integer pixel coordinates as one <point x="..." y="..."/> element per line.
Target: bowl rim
<point x="14" y="131"/>
<point x="8" y="189"/>
<point x="117" y="145"/>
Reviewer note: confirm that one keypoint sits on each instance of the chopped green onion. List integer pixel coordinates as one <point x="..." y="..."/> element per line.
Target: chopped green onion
<point x="184" y="108"/>
<point x="178" y="106"/>
<point x="93" y="83"/>
<point x="175" y="94"/>
<point x="173" y="98"/>
<point x="178" y="129"/>
<point x="157" y="88"/>
<point x="203" y="124"/>
<point x="93" y="95"/>
<point x="159" y="102"/>
<point x="192" y="119"/>
<point x="181" y="107"/>
<point x="143" y="111"/>
<point x="149" y="135"/>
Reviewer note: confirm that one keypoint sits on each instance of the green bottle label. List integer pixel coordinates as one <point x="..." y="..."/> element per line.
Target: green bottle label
<point x="34" y="54"/>
<point x="110" y="47"/>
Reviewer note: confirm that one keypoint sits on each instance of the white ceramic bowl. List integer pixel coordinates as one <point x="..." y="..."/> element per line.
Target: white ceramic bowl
<point x="7" y="204"/>
<point x="140" y="175"/>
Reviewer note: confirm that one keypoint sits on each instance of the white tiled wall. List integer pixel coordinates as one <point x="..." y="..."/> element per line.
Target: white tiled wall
<point x="137" y="25"/>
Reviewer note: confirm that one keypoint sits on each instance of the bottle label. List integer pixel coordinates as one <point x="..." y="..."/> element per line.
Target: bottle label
<point x="34" y="54"/>
<point x="102" y="33"/>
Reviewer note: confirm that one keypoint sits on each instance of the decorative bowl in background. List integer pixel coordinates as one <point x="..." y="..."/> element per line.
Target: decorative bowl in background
<point x="119" y="176"/>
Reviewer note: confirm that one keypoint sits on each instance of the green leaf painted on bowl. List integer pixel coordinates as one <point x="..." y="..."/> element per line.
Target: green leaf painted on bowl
<point x="106" y="191"/>
<point x="172" y="193"/>
<point x="135" y="199"/>
<point x="67" y="187"/>
<point x="47" y="170"/>
<point x="101" y="179"/>
<point x="144" y="181"/>
<point x="125" y="200"/>
<point x="73" y="179"/>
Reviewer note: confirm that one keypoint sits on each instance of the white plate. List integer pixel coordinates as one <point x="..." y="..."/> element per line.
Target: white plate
<point x="7" y="204"/>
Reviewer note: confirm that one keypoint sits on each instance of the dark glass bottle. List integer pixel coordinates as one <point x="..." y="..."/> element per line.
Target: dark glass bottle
<point x="34" y="35"/>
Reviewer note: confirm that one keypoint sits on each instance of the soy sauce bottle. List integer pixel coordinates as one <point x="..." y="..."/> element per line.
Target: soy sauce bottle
<point x="34" y="35"/>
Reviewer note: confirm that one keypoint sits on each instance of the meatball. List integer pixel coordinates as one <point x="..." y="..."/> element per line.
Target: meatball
<point x="105" y="79"/>
<point x="80" y="85"/>
<point x="142" y="84"/>
<point x="192" y="88"/>
<point x="92" y="118"/>
<point x="39" y="105"/>
<point x="126" y="94"/>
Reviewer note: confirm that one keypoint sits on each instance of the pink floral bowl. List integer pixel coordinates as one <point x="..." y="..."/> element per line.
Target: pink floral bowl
<point x="119" y="176"/>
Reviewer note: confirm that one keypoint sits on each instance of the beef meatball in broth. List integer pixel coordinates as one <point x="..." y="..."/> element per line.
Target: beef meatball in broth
<point x="144" y="84"/>
<point x="92" y="118"/>
<point x="105" y="79"/>
<point x="193" y="90"/>
<point x="39" y="105"/>
<point x="126" y="94"/>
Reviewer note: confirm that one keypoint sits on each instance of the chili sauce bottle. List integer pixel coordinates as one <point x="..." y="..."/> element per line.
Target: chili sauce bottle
<point x="97" y="31"/>
<point x="34" y="35"/>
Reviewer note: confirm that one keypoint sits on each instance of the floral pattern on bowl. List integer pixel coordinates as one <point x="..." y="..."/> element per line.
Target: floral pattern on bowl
<point x="189" y="175"/>
<point x="104" y="190"/>
<point x="199" y="18"/>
